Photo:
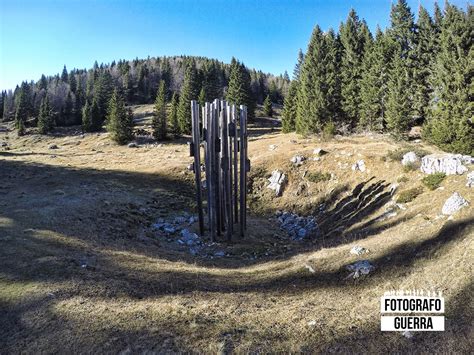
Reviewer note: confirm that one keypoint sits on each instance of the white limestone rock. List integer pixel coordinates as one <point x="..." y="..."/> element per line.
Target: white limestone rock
<point x="450" y="164"/>
<point x="359" y="166"/>
<point x="277" y="181"/>
<point x="470" y="179"/>
<point x="454" y="204"/>
<point x="410" y="158"/>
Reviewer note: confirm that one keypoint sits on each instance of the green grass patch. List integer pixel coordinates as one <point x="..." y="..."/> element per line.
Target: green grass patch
<point x="402" y="179"/>
<point x="409" y="195"/>
<point x="433" y="181"/>
<point x="318" y="177"/>
<point x="410" y="167"/>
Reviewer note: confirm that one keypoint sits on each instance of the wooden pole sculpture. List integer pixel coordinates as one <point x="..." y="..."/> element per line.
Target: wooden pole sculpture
<point x="224" y="139"/>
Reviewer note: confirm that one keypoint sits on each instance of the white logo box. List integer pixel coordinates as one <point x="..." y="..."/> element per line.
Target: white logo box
<point x="435" y="304"/>
<point x="413" y="323"/>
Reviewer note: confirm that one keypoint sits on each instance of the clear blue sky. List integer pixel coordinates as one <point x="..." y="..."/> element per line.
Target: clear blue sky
<point x="40" y="36"/>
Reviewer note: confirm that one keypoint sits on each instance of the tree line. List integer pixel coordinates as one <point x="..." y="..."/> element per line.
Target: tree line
<point x="82" y="97"/>
<point x="412" y="73"/>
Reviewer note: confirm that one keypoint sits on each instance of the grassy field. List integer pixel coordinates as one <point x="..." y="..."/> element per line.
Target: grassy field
<point x="83" y="271"/>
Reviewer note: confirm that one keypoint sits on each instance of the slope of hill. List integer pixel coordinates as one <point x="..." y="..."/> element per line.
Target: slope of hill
<point x="83" y="268"/>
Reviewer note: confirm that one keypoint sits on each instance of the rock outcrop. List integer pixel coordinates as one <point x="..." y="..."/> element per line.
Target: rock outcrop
<point x="454" y="204"/>
<point x="450" y="164"/>
<point x="410" y="158"/>
<point x="277" y="182"/>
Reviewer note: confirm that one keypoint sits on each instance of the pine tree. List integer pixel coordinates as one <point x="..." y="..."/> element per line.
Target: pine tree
<point x="239" y="91"/>
<point x="87" y="117"/>
<point x="189" y="91"/>
<point x="202" y="97"/>
<point x="159" y="113"/>
<point x="424" y="53"/>
<point x="289" y="109"/>
<point x="333" y="77"/>
<point x="450" y="123"/>
<point x="21" y="113"/>
<point x="352" y="35"/>
<point x="174" y="115"/>
<point x="68" y="113"/>
<point x="267" y="107"/>
<point x="299" y="63"/>
<point x="314" y="107"/>
<point x="72" y="81"/>
<point x="374" y="87"/>
<point x="398" y="103"/>
<point x="64" y="75"/>
<point x="119" y="120"/>
<point x="45" y="118"/>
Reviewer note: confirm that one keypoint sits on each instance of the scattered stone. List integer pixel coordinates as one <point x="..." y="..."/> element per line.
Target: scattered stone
<point x="4" y="144"/>
<point x="312" y="323"/>
<point x="470" y="179"/>
<point x="189" y="238"/>
<point x="407" y="334"/>
<point x="454" y="204"/>
<point x="358" y="250"/>
<point x="298" y="160"/>
<point x="132" y="145"/>
<point x="219" y="253"/>
<point x="53" y="146"/>
<point x="316" y="158"/>
<point x="310" y="268"/>
<point x="450" y="164"/>
<point x="277" y="182"/>
<point x="298" y="227"/>
<point x="359" y="166"/>
<point x="410" y="158"/>
<point x="272" y="147"/>
<point x="191" y="167"/>
<point x="361" y="267"/>
<point x="319" y="151"/>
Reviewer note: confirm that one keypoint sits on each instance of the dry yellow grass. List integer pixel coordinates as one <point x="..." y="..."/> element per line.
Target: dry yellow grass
<point x="94" y="200"/>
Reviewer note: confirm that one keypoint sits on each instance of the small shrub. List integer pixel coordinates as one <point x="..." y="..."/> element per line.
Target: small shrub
<point x="409" y="195"/>
<point x="433" y="181"/>
<point x="410" y="167"/>
<point x="318" y="177"/>
<point x="329" y="130"/>
<point x="402" y="179"/>
<point x="397" y="154"/>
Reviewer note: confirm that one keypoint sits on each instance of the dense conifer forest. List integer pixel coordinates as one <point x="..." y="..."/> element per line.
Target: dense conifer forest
<point x="413" y="73"/>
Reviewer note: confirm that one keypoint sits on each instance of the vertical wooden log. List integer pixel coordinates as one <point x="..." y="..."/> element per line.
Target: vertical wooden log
<point x="243" y="169"/>
<point x="236" y="162"/>
<point x="197" y="161"/>
<point x="225" y="172"/>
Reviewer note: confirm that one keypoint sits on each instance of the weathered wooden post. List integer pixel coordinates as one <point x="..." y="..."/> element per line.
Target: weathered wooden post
<point x="223" y="142"/>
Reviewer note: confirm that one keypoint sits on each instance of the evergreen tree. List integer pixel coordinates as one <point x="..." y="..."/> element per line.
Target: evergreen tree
<point x="87" y="117"/>
<point x="2" y="103"/>
<point x="68" y="113"/>
<point x="202" y="97"/>
<point x="21" y="113"/>
<point x="398" y="103"/>
<point x="424" y="52"/>
<point x="314" y="107"/>
<point x="45" y="118"/>
<point x="374" y="83"/>
<point x="159" y="113"/>
<point x="267" y="107"/>
<point x="288" y="118"/>
<point x="189" y="91"/>
<point x="103" y="89"/>
<point x="333" y="76"/>
<point x="119" y="120"/>
<point x="64" y="75"/>
<point x="299" y="63"/>
<point x="211" y="84"/>
<point x="450" y="123"/>
<point x="239" y="91"/>
<point x="352" y="40"/>
<point x="174" y="115"/>
<point x="72" y="81"/>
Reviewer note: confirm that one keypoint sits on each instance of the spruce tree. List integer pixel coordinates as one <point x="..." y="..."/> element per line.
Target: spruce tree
<point x="174" y="115"/>
<point x="299" y="63"/>
<point x="239" y="91"/>
<point x="21" y="113"/>
<point x="159" y="113"/>
<point x="103" y="89"/>
<point x="267" y="107"/>
<point x="87" y="125"/>
<point x="64" y="75"/>
<point x="449" y="123"/>
<point x="333" y="77"/>
<point x="398" y="103"/>
<point x="119" y="120"/>
<point x="352" y="40"/>
<point x="288" y="118"/>
<point x="189" y="91"/>
<point x="68" y="112"/>
<point x="202" y="96"/>
<point x="45" y="118"/>
<point x="374" y="83"/>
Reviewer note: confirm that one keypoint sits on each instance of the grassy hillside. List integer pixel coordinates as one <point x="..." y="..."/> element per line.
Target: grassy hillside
<point x="83" y="269"/>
